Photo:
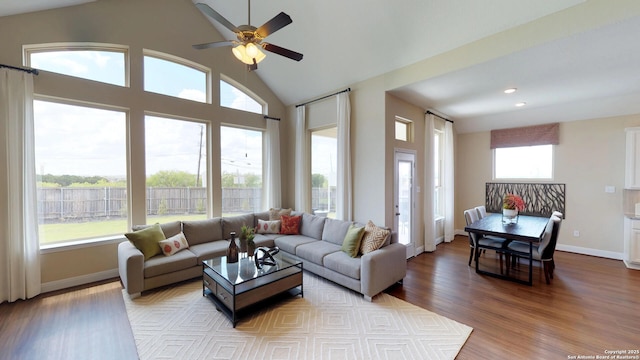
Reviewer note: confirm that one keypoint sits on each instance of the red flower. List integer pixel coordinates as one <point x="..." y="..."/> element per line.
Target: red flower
<point x="513" y="202"/>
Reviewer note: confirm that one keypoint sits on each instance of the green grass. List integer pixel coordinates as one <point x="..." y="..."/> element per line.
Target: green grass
<point x="52" y="233"/>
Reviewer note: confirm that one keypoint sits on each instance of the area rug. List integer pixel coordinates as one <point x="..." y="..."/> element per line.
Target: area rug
<point x="329" y="322"/>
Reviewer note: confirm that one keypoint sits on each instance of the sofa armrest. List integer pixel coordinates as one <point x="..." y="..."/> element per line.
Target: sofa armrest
<point x="382" y="268"/>
<point x="131" y="267"/>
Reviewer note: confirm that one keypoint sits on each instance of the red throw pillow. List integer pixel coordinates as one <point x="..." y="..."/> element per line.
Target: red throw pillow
<point x="290" y="225"/>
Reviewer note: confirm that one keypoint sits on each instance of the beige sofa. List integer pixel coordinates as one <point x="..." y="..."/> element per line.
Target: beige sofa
<point x="318" y="246"/>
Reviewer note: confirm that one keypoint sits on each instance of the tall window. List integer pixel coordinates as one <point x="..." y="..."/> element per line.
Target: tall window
<point x="81" y="167"/>
<point x="232" y="97"/>
<point x="97" y="63"/>
<point x="172" y="76"/>
<point x="525" y="162"/>
<point x="324" y="158"/>
<point x="176" y="168"/>
<point x="438" y="173"/>
<point x="403" y="129"/>
<point x="241" y="163"/>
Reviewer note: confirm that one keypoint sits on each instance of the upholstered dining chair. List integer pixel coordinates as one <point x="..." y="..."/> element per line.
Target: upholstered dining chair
<point x="482" y="211"/>
<point x="545" y="249"/>
<point x="471" y="216"/>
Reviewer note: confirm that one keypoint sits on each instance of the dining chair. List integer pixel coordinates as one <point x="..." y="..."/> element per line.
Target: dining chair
<point x="482" y="211"/>
<point x="543" y="252"/>
<point x="471" y="216"/>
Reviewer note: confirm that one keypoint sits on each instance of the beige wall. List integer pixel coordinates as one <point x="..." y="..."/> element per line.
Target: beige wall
<point x="168" y="26"/>
<point x="589" y="157"/>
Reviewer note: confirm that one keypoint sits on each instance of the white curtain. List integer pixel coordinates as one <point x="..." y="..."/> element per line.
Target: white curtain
<point x="429" y="185"/>
<point x="344" y="210"/>
<point x="448" y="182"/>
<point x="19" y="244"/>
<point x="273" y="190"/>
<point x="303" y="166"/>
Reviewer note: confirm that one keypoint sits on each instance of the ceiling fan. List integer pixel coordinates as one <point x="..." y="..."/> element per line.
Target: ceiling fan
<point x="247" y="47"/>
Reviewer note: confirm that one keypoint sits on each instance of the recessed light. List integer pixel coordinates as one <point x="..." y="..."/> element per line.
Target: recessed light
<point x="510" y="91"/>
<point x="520" y="104"/>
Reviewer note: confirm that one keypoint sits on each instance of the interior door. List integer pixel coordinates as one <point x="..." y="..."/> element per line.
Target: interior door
<point x="405" y="199"/>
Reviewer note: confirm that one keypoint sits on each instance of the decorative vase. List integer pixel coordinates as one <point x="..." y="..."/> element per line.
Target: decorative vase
<point x="243" y="243"/>
<point x="509" y="216"/>
<point x="251" y="248"/>
<point x="232" y="251"/>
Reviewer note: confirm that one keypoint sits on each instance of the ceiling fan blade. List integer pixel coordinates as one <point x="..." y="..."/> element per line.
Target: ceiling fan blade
<point x="207" y="10"/>
<point x="213" y="45"/>
<point x="278" y="22"/>
<point x="282" y="51"/>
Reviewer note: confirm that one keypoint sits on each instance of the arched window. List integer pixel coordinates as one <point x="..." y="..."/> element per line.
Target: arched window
<point x="106" y="63"/>
<point x="173" y="76"/>
<point x="232" y="97"/>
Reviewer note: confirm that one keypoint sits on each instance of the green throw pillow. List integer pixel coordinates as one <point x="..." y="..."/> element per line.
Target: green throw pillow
<point x="147" y="240"/>
<point x="351" y="242"/>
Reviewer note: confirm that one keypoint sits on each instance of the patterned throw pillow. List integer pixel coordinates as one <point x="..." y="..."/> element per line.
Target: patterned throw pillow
<point x="276" y="214"/>
<point x="174" y="244"/>
<point x="290" y="225"/>
<point x="268" y="227"/>
<point x="373" y="238"/>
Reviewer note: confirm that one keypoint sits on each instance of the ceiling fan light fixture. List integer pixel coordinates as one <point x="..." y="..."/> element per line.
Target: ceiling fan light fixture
<point x="240" y="52"/>
<point x="252" y="50"/>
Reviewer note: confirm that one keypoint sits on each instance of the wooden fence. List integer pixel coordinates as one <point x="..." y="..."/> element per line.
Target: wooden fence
<point x="65" y="203"/>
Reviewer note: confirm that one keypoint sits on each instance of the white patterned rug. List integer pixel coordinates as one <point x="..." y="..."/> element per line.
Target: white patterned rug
<point x="330" y="322"/>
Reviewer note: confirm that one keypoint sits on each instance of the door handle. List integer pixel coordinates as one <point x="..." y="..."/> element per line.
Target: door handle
<point x="397" y="214"/>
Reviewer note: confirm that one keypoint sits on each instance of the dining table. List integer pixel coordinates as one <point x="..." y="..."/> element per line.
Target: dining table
<point x="529" y="229"/>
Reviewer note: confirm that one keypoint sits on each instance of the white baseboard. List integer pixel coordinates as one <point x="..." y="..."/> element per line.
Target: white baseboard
<point x="591" y="252"/>
<point x="78" y="280"/>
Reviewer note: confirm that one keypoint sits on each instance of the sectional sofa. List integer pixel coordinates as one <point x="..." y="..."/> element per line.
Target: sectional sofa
<point x="318" y="245"/>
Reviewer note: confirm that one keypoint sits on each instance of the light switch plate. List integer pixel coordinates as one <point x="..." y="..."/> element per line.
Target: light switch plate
<point x="610" y="189"/>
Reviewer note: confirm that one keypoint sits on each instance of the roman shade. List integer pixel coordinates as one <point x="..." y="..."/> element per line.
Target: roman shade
<point x="546" y="134"/>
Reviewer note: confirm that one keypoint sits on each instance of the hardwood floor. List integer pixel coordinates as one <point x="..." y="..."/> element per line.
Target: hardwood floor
<point x="591" y="306"/>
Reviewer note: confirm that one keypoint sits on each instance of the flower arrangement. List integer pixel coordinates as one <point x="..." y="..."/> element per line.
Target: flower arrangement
<point x="513" y="202"/>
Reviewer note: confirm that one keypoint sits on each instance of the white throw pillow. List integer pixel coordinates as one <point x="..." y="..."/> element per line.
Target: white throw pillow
<point x="269" y="227"/>
<point x="174" y="244"/>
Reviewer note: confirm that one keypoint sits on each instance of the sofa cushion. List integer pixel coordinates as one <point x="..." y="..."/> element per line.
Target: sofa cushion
<point x="374" y="237"/>
<point x="174" y="244"/>
<point x="209" y="250"/>
<point x="263" y="215"/>
<point x="235" y="223"/>
<point x="289" y="243"/>
<point x="351" y="243"/>
<point x="160" y="265"/>
<point x="290" y="225"/>
<point x="343" y="264"/>
<point x="202" y="231"/>
<point x="335" y="230"/>
<point x="169" y="229"/>
<point x="312" y="225"/>
<point x="147" y="240"/>
<point x="276" y="214"/>
<point x="316" y="251"/>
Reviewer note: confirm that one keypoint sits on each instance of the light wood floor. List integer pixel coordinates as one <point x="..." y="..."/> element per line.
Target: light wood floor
<point x="592" y="305"/>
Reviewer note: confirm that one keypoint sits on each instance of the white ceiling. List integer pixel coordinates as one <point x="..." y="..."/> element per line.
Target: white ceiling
<point x="586" y="75"/>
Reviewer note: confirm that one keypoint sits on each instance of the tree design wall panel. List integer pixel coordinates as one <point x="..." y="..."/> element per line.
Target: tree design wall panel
<point x="539" y="199"/>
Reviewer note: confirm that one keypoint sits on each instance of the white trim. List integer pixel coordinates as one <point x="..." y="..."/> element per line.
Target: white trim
<point x="78" y="280"/>
<point x="591" y="252"/>
<point x="80" y="244"/>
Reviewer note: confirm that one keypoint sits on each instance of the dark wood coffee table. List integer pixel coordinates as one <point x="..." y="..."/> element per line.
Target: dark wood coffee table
<point x="235" y="286"/>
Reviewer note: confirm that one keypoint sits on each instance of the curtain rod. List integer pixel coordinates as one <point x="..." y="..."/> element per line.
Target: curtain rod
<point x="266" y="117"/>
<point x="31" y="71"/>
<point x="432" y="113"/>
<point x="324" y="97"/>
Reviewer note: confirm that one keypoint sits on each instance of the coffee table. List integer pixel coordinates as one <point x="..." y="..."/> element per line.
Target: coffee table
<point x="235" y="286"/>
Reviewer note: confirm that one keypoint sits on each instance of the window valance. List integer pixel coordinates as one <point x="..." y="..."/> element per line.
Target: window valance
<point x="547" y="134"/>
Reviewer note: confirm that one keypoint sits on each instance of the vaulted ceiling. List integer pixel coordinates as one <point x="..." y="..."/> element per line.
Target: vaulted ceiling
<point x="583" y="69"/>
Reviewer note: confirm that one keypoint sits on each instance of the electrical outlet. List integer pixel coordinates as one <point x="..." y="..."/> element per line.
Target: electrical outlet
<point x="576" y="233"/>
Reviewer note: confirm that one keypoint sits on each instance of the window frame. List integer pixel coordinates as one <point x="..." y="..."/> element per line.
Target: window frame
<point x="408" y="127"/>
<point x="438" y="208"/>
<point x="29" y="49"/>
